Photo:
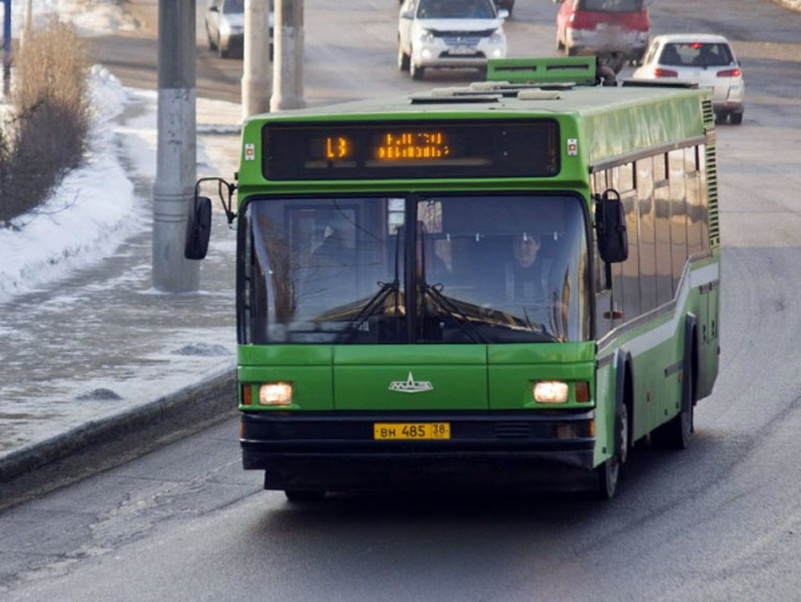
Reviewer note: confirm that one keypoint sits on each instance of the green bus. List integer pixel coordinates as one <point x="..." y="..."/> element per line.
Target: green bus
<point x="502" y="286"/>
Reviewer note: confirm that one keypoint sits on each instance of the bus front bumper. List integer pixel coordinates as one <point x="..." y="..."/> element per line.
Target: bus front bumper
<point x="499" y="450"/>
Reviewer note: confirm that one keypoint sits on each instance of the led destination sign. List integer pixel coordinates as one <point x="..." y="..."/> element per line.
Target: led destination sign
<point x="452" y="149"/>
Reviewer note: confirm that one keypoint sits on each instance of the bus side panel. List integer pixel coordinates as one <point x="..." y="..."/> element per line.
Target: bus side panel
<point x="709" y="343"/>
<point x="705" y="280"/>
<point x="605" y="412"/>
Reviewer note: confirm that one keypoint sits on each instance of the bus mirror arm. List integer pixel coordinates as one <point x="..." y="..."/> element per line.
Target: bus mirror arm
<point x="610" y="224"/>
<point x="225" y="192"/>
<point x="198" y="222"/>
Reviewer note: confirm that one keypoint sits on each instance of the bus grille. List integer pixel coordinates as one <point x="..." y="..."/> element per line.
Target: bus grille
<point x="711" y="173"/>
<point x="512" y="430"/>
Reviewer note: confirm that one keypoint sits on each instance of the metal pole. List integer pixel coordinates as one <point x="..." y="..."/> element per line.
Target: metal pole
<point x="256" y="59"/>
<point x="7" y="48"/>
<point x="176" y="154"/>
<point x="288" y="60"/>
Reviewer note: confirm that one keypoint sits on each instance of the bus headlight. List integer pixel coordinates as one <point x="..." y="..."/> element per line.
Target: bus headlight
<point x="550" y="391"/>
<point x="275" y="394"/>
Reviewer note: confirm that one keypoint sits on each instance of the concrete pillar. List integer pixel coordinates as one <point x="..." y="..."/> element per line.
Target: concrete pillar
<point x="288" y="60"/>
<point x="176" y="155"/>
<point x="256" y="60"/>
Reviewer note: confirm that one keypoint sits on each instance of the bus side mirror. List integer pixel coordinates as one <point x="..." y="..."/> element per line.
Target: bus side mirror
<point x="198" y="228"/>
<point x="610" y="222"/>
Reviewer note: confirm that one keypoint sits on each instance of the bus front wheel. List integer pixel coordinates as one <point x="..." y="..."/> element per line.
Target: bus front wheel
<point x="610" y="471"/>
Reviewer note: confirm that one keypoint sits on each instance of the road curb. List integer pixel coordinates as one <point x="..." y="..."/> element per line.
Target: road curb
<point x="211" y="397"/>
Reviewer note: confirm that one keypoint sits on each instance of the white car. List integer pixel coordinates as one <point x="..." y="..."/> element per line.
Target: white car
<point x="705" y="59"/>
<point x="449" y="34"/>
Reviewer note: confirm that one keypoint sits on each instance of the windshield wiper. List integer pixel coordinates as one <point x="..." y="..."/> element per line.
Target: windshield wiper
<point x="374" y="302"/>
<point x="372" y="305"/>
<point x="459" y="317"/>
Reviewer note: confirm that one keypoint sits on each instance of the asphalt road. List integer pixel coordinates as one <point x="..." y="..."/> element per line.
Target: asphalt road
<point x="720" y="521"/>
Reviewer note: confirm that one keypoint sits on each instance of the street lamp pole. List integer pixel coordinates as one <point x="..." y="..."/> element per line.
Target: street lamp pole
<point x="256" y="59"/>
<point x="288" y="59"/>
<point x="176" y="153"/>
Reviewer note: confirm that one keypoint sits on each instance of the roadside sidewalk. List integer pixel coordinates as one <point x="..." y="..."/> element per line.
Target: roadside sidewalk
<point x="98" y="350"/>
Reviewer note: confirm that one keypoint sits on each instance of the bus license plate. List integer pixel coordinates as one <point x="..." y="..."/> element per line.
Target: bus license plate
<point x="411" y="430"/>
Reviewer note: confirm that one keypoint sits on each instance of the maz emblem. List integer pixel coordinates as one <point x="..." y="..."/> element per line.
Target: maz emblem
<point x="410" y="385"/>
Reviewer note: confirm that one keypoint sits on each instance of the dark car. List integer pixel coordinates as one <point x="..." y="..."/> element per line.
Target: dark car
<point x="507" y="5"/>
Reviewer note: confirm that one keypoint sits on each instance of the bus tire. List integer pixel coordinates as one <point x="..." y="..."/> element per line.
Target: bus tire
<point x="304" y="495"/>
<point x="610" y="472"/>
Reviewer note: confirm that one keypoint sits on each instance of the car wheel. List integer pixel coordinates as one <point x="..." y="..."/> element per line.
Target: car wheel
<point x="223" y="53"/>
<point x="403" y="59"/>
<point x="736" y="118"/>
<point x="416" y="71"/>
<point x="721" y="117"/>
<point x="570" y="51"/>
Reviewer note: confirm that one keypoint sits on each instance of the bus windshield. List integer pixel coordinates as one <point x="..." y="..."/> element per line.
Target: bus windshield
<point x="414" y="269"/>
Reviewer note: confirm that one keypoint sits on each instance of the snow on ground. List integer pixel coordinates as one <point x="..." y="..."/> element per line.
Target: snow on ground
<point x="78" y="225"/>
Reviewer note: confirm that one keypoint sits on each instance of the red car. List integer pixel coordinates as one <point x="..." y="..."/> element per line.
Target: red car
<point x="603" y="26"/>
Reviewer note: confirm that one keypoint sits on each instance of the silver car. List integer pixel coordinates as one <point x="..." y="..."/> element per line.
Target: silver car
<point x="705" y="59"/>
<point x="225" y="27"/>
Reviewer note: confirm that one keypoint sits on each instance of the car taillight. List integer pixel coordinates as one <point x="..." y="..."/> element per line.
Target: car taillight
<point x="581" y="20"/>
<point x="659" y="72"/>
<point x="729" y="73"/>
